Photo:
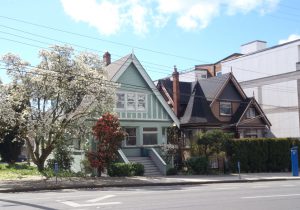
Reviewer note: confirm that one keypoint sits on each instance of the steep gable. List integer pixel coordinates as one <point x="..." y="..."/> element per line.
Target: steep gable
<point x="198" y="110"/>
<point x="240" y="118"/>
<point x="230" y="92"/>
<point x="131" y="76"/>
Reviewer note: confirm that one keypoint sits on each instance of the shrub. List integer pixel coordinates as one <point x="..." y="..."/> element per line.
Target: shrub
<point x="62" y="156"/>
<point x="198" y="165"/>
<point x="171" y="171"/>
<point x="120" y="169"/>
<point x="137" y="169"/>
<point x="126" y="169"/>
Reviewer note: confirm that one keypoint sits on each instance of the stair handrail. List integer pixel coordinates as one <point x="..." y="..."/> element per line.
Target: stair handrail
<point x="159" y="162"/>
<point x="123" y="156"/>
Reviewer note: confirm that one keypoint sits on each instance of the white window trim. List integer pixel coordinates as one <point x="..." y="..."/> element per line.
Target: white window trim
<point x="136" y="102"/>
<point x="150" y="132"/>
<point x="119" y="92"/>
<point x="125" y="140"/>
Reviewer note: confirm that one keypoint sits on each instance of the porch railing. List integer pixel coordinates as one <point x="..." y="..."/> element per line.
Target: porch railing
<point x="159" y="162"/>
<point x="123" y="156"/>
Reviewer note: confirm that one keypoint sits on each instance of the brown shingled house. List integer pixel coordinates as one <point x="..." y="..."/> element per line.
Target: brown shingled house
<point x="214" y="103"/>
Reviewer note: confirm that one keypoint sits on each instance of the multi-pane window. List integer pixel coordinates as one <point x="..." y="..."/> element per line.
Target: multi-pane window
<point x="225" y="108"/>
<point x="149" y="136"/>
<point x="130" y="136"/>
<point x="120" y="100"/>
<point x="141" y="102"/>
<point x="251" y="113"/>
<point x="131" y="101"/>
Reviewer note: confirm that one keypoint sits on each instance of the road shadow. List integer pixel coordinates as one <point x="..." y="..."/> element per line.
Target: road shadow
<point x="27" y="204"/>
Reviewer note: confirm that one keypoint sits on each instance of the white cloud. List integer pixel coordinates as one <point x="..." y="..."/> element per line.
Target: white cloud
<point x="291" y="37"/>
<point x="245" y="6"/>
<point x="138" y="15"/>
<point x="198" y="16"/>
<point x="110" y="16"/>
<point x="104" y="16"/>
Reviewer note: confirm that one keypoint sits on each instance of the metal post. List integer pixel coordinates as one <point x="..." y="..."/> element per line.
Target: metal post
<point x="239" y="169"/>
<point x="56" y="171"/>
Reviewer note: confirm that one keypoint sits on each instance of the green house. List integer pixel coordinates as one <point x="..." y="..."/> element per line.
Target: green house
<point x="142" y="111"/>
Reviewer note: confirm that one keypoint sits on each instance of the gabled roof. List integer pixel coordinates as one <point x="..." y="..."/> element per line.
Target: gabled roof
<point x="214" y="86"/>
<point x="118" y="67"/>
<point x="198" y="110"/>
<point x="113" y="68"/>
<point x="185" y="89"/>
<point x="242" y="110"/>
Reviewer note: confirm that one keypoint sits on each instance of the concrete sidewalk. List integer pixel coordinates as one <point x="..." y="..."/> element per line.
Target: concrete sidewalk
<point x="77" y="183"/>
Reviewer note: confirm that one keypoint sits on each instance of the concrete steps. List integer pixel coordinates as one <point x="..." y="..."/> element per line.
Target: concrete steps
<point x="149" y="166"/>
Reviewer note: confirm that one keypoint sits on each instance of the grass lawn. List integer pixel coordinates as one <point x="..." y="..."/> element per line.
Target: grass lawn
<point x="17" y="171"/>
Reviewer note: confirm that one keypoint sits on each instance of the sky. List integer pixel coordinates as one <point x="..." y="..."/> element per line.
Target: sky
<point x="161" y="33"/>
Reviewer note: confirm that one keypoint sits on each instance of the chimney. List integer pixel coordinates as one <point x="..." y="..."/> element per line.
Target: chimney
<point x="106" y="59"/>
<point x="176" y="92"/>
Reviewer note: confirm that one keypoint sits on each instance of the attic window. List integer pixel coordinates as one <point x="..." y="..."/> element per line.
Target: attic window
<point x="225" y="108"/>
<point x="131" y="101"/>
<point x="251" y="113"/>
<point x="120" y="100"/>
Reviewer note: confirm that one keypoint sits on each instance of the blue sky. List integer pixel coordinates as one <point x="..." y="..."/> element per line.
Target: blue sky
<point x="161" y="33"/>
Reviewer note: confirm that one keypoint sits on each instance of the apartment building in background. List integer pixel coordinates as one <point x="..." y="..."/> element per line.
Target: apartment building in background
<point x="272" y="76"/>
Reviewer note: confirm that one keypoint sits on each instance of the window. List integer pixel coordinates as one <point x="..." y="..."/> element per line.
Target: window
<point x="131" y="101"/>
<point x="130" y="139"/>
<point x="251" y="133"/>
<point x="251" y="113"/>
<point x="150" y="136"/>
<point x="120" y="100"/>
<point x="225" y="108"/>
<point x="141" y="102"/>
<point x="219" y="74"/>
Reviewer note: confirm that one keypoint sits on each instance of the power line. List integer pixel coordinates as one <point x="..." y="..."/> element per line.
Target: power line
<point x="141" y="88"/>
<point x="183" y="74"/>
<point x="243" y="69"/>
<point x="98" y="39"/>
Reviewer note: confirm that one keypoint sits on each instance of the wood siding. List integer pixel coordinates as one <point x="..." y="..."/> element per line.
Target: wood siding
<point x="131" y="81"/>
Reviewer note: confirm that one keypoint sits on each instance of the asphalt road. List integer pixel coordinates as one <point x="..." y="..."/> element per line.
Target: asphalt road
<point x="258" y="195"/>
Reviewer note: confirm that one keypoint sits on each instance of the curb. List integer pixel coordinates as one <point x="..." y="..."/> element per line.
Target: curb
<point x="61" y="187"/>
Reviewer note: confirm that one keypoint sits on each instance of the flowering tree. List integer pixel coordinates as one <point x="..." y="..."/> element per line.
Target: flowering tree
<point x="63" y="91"/>
<point x="108" y="136"/>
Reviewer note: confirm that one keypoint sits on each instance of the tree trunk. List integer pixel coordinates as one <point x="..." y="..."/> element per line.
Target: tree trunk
<point x="40" y="165"/>
<point x="99" y="172"/>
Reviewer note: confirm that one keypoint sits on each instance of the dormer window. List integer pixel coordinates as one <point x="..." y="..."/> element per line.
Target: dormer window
<point x="251" y="113"/>
<point x="225" y="108"/>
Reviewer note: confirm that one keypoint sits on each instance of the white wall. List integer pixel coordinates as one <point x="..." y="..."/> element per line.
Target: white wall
<point x="280" y="100"/>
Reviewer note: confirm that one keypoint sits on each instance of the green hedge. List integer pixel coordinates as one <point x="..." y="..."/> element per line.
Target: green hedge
<point x="172" y="171"/>
<point x="261" y="154"/>
<point x="126" y="169"/>
<point x="197" y="165"/>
